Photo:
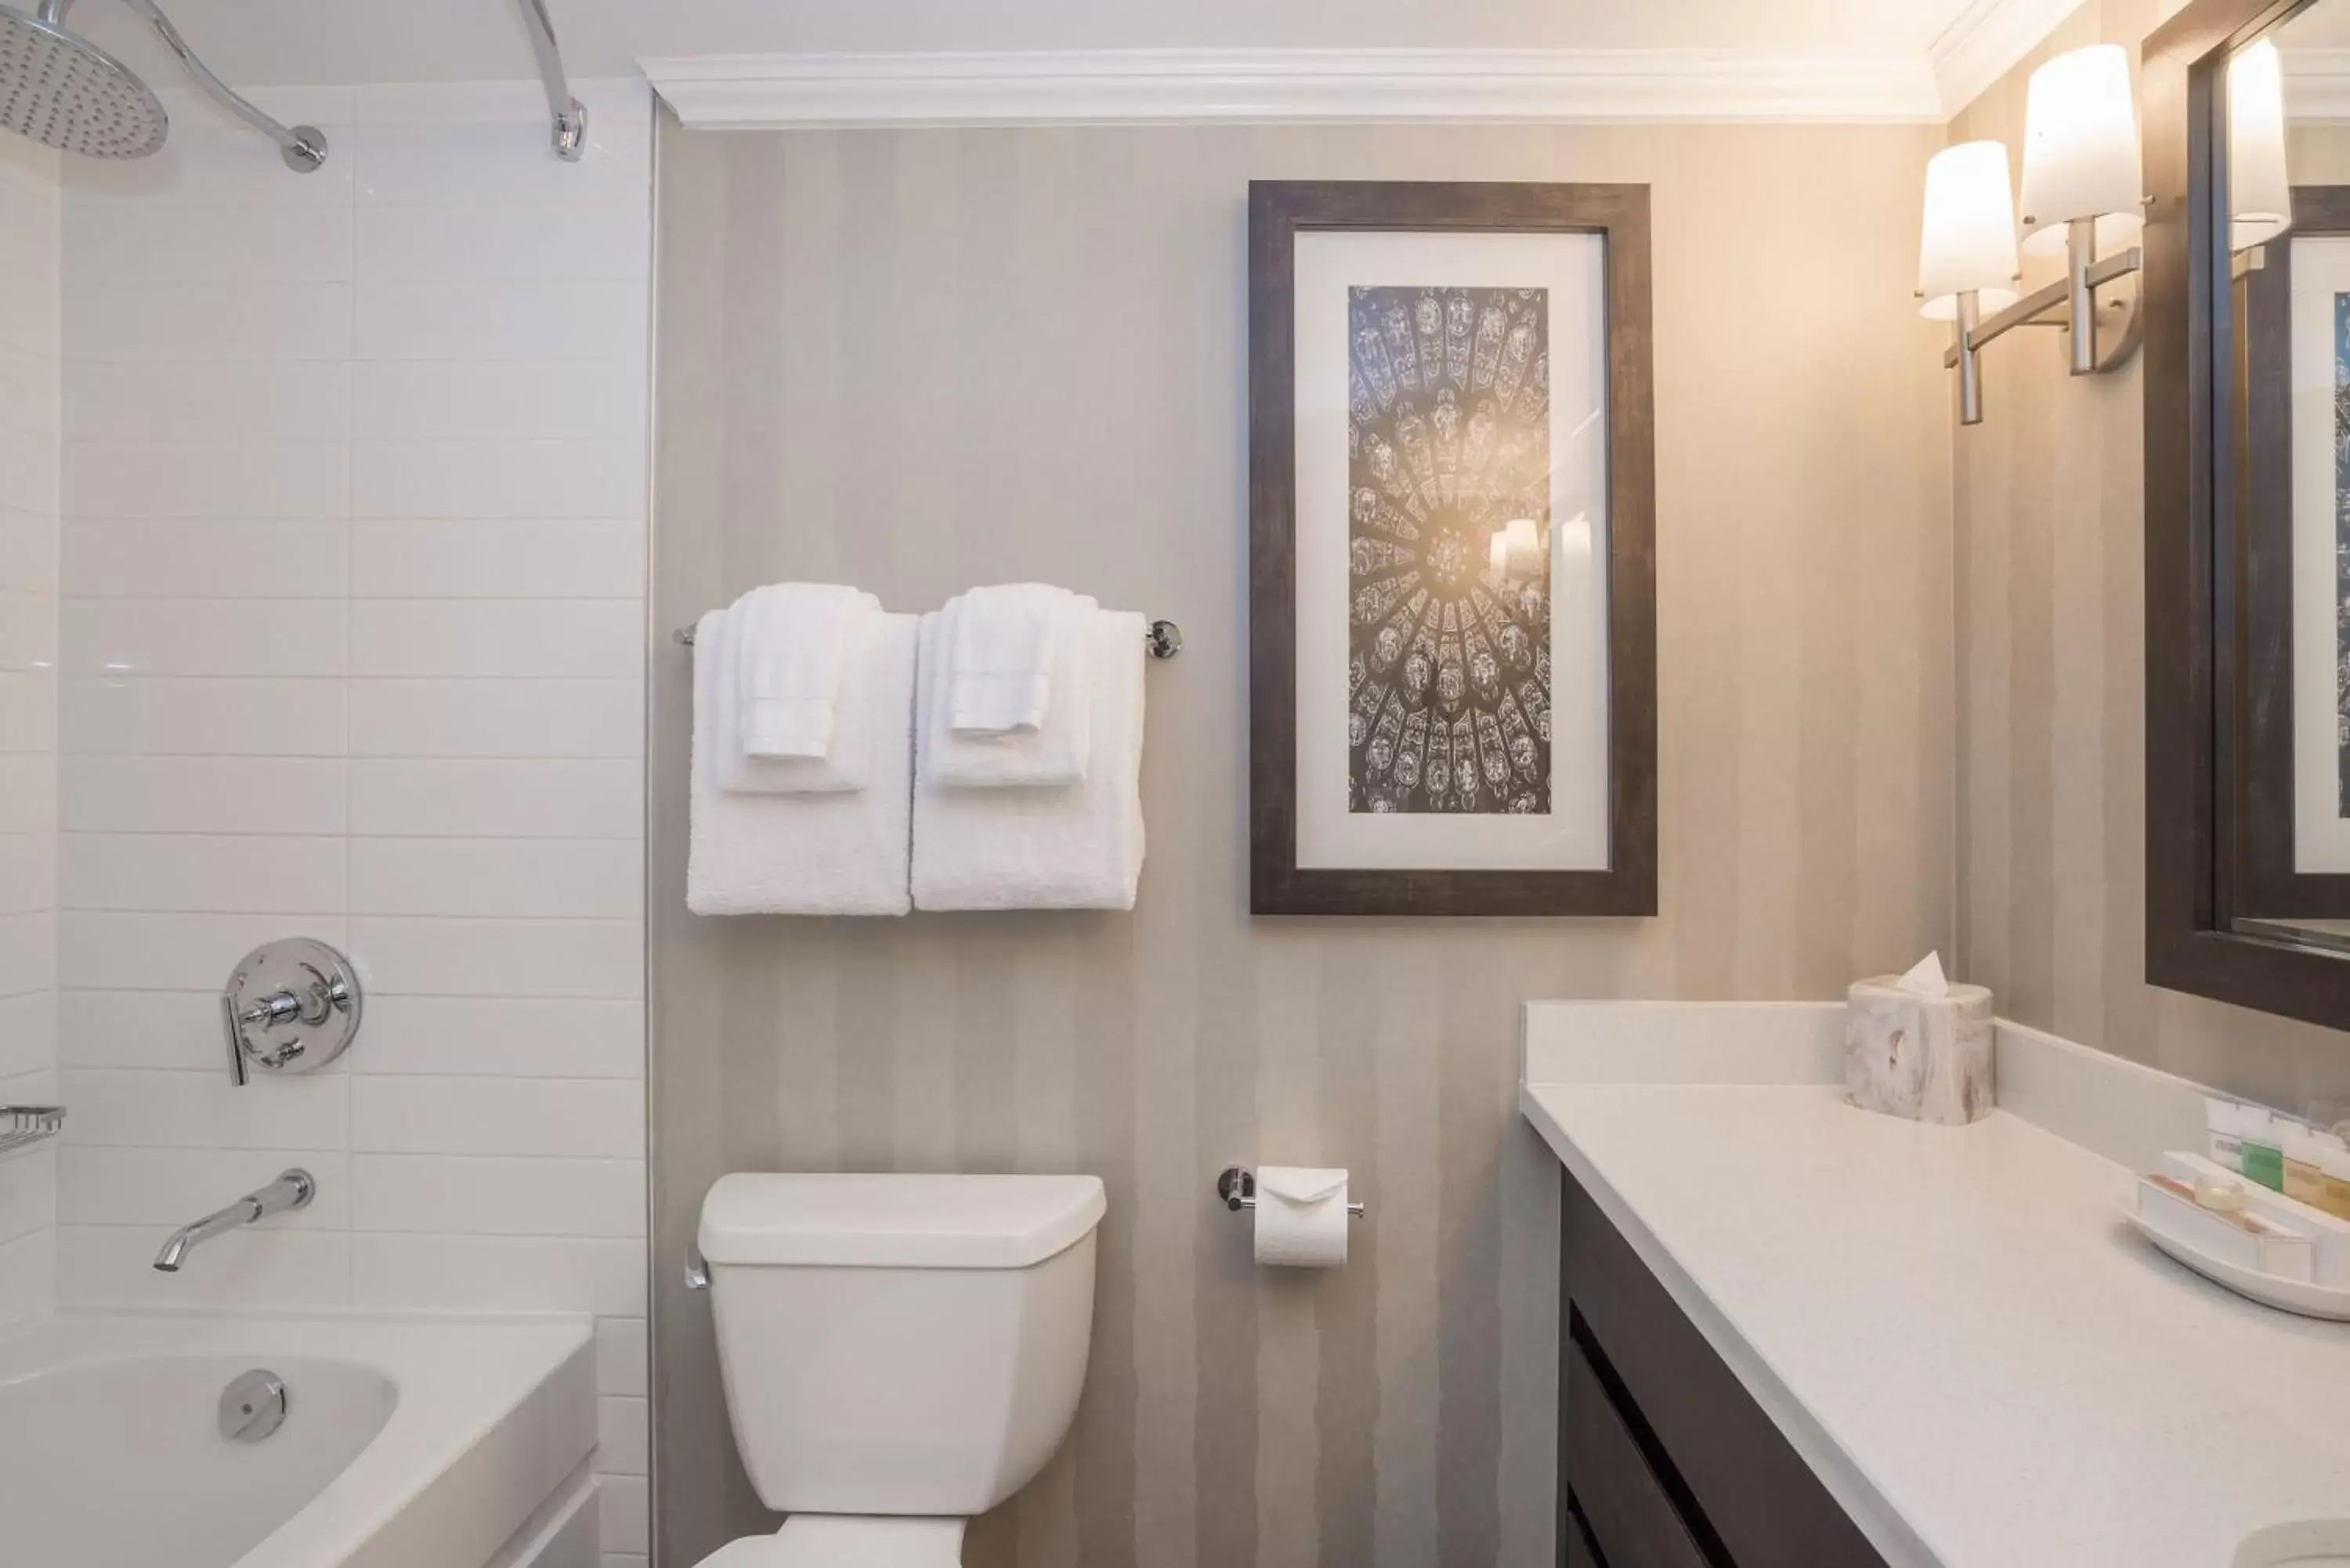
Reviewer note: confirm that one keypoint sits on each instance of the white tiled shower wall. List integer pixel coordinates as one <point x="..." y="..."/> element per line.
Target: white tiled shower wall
<point x="29" y="315"/>
<point x="354" y="502"/>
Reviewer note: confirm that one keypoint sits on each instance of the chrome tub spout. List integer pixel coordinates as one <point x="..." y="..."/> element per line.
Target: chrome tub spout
<point x="292" y="1190"/>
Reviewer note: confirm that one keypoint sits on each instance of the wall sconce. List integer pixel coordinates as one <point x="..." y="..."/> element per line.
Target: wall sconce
<point x="1965" y="259"/>
<point x="2260" y="192"/>
<point x="2080" y="165"/>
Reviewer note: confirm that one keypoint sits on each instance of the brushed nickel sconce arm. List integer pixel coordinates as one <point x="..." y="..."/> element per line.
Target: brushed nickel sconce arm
<point x="2071" y="302"/>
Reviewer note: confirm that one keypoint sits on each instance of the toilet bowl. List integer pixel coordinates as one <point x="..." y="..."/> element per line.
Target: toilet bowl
<point x="900" y="1353"/>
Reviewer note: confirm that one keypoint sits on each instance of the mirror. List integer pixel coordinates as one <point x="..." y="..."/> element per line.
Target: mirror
<point x="2281" y="136"/>
<point x="2245" y="291"/>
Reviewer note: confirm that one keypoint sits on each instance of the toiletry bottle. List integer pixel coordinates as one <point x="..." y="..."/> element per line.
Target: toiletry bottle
<point x="2223" y="1127"/>
<point x="2305" y="1183"/>
<point x="2336" y="1163"/>
<point x="2264" y="1154"/>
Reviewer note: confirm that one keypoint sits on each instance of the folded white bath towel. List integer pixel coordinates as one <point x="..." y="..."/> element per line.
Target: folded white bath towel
<point x="997" y="678"/>
<point x="838" y="853"/>
<point x="1074" y="846"/>
<point x="1054" y="753"/>
<point x="788" y="641"/>
<point x="847" y="763"/>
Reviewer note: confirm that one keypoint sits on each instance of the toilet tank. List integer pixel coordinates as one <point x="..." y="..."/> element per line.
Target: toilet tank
<point x="899" y="1344"/>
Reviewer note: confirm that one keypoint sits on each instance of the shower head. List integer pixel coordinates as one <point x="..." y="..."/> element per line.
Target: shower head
<point x="66" y="92"/>
<point x="69" y="93"/>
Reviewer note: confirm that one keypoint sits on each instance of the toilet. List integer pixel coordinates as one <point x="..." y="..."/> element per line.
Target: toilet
<point x="900" y="1352"/>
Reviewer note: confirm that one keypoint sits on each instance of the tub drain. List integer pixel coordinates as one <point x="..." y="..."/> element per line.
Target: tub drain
<point x="252" y="1406"/>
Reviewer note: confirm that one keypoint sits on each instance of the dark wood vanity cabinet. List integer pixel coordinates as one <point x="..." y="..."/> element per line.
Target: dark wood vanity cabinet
<point x="1664" y="1460"/>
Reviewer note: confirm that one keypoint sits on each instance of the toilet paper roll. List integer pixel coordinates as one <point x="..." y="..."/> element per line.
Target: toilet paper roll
<point x="1301" y="1217"/>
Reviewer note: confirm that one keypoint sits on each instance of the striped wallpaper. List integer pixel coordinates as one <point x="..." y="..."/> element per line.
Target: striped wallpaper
<point x="2052" y="702"/>
<point x="920" y="360"/>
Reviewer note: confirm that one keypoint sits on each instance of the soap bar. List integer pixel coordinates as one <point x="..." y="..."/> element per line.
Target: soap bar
<point x="1925" y="1058"/>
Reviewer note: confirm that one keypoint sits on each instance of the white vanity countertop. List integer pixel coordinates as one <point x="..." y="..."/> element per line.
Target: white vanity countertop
<point x="1957" y="1330"/>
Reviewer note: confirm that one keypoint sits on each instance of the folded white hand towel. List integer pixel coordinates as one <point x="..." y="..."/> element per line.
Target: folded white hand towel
<point x="1054" y="753"/>
<point x="1076" y="847"/>
<point x="838" y="853"/>
<point x="847" y="763"/>
<point x="996" y="658"/>
<point x="788" y="638"/>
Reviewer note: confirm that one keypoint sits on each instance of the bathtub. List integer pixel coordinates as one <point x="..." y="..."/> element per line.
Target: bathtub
<point x="406" y="1443"/>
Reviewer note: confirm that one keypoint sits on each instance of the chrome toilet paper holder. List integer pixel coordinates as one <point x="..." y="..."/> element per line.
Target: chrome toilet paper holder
<point x="1237" y="1187"/>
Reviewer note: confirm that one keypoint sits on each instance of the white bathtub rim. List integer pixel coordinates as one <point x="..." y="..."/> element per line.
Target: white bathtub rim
<point x="49" y="1323"/>
<point x="457" y="1379"/>
<point x="79" y="1311"/>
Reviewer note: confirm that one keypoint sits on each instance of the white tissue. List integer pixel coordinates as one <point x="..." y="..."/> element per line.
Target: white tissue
<point x="1301" y="1217"/>
<point x="1925" y="978"/>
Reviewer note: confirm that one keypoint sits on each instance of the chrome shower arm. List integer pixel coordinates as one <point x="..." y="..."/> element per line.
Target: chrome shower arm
<point x="570" y="115"/>
<point x="304" y="147"/>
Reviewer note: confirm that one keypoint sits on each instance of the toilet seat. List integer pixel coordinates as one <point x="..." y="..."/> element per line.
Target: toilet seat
<point x="846" y="1541"/>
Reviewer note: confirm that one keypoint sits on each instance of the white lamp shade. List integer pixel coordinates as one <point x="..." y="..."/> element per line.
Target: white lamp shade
<point x="1969" y="235"/>
<point x="2080" y="143"/>
<point x="2260" y="192"/>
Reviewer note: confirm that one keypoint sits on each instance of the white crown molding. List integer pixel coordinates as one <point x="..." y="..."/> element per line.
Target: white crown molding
<point x="763" y="92"/>
<point x="1986" y="41"/>
<point x="2316" y="84"/>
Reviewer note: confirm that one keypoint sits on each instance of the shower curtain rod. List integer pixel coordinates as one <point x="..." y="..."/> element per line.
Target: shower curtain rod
<point x="570" y="115"/>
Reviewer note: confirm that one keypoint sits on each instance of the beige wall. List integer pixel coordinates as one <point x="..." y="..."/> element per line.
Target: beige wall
<point x="2052" y="821"/>
<point x="918" y="361"/>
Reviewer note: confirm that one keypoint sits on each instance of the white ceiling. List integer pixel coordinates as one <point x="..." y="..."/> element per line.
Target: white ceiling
<point x="333" y="42"/>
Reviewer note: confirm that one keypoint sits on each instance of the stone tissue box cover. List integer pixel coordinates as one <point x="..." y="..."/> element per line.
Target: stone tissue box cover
<point x="1918" y="1047"/>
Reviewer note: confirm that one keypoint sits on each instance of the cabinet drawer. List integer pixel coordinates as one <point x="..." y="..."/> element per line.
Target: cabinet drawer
<point x="1578" y="1553"/>
<point x="1758" y="1503"/>
<point x="1631" y="1517"/>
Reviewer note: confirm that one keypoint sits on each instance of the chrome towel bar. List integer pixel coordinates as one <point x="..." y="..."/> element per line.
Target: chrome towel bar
<point x="1164" y="637"/>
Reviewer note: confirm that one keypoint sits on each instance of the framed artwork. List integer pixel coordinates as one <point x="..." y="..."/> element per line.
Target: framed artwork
<point x="1452" y="564"/>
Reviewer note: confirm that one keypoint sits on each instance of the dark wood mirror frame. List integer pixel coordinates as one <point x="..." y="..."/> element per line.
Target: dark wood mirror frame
<point x="2195" y="645"/>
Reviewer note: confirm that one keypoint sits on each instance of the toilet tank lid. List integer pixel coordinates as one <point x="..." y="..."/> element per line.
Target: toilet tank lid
<point x="897" y="1222"/>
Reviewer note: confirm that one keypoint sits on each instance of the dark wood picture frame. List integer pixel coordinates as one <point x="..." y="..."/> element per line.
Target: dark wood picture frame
<point x="2196" y="651"/>
<point x="2267" y="885"/>
<point x="1278" y="210"/>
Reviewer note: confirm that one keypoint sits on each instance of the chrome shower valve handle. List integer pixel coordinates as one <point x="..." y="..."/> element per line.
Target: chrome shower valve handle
<point x="291" y="1006"/>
